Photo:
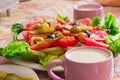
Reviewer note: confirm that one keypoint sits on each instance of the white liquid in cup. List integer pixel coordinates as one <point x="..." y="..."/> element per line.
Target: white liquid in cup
<point x="87" y="55"/>
<point x="87" y="9"/>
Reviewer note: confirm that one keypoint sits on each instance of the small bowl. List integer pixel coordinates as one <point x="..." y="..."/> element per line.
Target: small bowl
<point x="88" y="11"/>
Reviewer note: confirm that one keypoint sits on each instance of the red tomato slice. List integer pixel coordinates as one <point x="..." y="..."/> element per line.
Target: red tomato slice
<point x="96" y="28"/>
<point x="65" y="43"/>
<point x="92" y="42"/>
<point x="28" y="28"/>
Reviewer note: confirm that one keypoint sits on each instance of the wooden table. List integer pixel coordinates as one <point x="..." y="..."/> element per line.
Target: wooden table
<point x="35" y="9"/>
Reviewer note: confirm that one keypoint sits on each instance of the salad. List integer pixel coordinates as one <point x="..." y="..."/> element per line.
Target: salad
<point x="46" y="40"/>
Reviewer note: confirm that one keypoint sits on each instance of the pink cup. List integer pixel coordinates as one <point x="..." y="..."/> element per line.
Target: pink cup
<point x="74" y="70"/>
<point x="88" y="11"/>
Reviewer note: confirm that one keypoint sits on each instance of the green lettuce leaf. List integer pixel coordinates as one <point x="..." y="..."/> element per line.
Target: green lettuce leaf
<point x="46" y="60"/>
<point x="64" y="18"/>
<point x="16" y="29"/>
<point x="17" y="49"/>
<point x="110" y="24"/>
<point x="114" y="42"/>
<point x="96" y="21"/>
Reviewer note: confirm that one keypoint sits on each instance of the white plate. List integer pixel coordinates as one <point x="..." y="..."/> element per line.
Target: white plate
<point x="18" y="70"/>
<point x="32" y="65"/>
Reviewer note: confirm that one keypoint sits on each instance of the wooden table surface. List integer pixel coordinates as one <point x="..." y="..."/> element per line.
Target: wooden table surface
<point x="35" y="9"/>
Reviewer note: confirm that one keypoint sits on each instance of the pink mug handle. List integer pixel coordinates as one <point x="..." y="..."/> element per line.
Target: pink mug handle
<point x="51" y="73"/>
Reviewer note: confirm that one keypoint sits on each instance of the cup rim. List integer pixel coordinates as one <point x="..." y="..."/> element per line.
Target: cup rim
<point x="110" y="54"/>
<point x="100" y="7"/>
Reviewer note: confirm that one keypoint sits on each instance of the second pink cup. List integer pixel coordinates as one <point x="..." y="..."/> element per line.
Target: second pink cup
<point x="88" y="11"/>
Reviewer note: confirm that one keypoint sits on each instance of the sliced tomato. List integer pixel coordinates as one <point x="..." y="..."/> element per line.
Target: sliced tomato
<point x="41" y="46"/>
<point x="65" y="43"/>
<point x="28" y="29"/>
<point x="92" y="42"/>
<point x="31" y="24"/>
<point x="96" y="28"/>
<point x="86" y="21"/>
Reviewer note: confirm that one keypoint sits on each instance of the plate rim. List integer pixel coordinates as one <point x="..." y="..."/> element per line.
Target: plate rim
<point x="35" y="66"/>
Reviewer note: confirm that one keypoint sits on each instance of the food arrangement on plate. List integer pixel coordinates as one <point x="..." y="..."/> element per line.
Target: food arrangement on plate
<point x="17" y="73"/>
<point x="44" y="40"/>
<point x="11" y="76"/>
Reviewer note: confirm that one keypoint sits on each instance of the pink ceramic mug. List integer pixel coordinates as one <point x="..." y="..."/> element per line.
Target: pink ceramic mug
<point x="88" y="11"/>
<point x="85" y="63"/>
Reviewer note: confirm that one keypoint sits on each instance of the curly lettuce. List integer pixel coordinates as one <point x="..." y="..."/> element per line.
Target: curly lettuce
<point x="110" y="24"/>
<point x="17" y="49"/>
<point x="96" y="21"/>
<point x="16" y="29"/>
<point x="114" y="42"/>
